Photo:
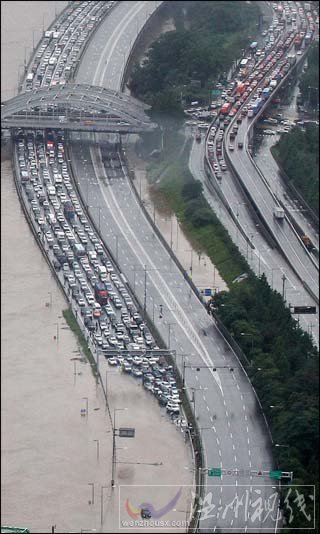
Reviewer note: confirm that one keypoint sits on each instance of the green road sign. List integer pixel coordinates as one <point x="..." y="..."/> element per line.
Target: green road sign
<point x="214" y="472"/>
<point x="215" y="92"/>
<point x="275" y="474"/>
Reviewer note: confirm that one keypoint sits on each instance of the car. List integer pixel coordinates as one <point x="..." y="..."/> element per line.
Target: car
<point x="137" y="372"/>
<point x="172" y="407"/>
<point x="113" y="361"/>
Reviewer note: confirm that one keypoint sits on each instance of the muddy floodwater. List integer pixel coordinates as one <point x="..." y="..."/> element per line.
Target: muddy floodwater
<point x="54" y="460"/>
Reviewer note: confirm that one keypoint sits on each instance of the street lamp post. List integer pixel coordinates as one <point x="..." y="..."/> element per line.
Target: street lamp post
<point x="92" y="485"/>
<point x="152" y="307"/>
<point x="169" y="333"/>
<point x="114" y="444"/>
<point x="191" y="260"/>
<point x="98" y="446"/>
<point x="87" y="404"/>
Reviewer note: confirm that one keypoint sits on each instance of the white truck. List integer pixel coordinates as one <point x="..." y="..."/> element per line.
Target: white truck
<point x="278" y="213"/>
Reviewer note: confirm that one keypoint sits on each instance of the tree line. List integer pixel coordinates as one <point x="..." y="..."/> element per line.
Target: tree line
<point x="298" y="154"/>
<point x="201" y="49"/>
<point x="309" y="84"/>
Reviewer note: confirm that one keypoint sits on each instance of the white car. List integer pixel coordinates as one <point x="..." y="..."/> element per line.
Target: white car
<point x="113" y="361"/>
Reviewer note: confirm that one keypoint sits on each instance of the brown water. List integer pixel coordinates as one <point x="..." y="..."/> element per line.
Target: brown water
<point x="49" y="453"/>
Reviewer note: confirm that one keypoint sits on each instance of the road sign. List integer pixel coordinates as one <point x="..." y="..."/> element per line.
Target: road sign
<point x="214" y="472"/>
<point x="207" y="292"/>
<point x="275" y="474"/>
<point x="126" y="432"/>
<point x="304" y="309"/>
<point x="215" y="92"/>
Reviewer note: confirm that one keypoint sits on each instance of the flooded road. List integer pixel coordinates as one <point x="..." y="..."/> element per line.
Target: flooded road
<point x="55" y="461"/>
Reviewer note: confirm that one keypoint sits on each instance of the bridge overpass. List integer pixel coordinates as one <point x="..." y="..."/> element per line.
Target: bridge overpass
<point x="77" y="107"/>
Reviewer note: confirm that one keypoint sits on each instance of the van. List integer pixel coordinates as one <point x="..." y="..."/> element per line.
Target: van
<point x="102" y="270"/>
<point x="92" y="255"/>
<point x="51" y="191"/>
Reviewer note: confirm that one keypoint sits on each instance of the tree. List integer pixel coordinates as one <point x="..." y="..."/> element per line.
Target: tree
<point x="192" y="190"/>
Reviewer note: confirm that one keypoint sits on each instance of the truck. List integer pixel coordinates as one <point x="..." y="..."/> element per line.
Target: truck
<point x="278" y="213"/>
<point x="240" y="88"/>
<point x="68" y="210"/>
<point x="101" y="293"/>
<point x="225" y="108"/>
<point x="297" y="42"/>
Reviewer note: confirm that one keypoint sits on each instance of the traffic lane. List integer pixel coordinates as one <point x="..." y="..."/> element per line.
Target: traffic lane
<point x="262" y="188"/>
<point x="273" y="262"/>
<point x="92" y="55"/>
<point x="287" y="240"/>
<point x="224" y="448"/>
<point x="139" y="282"/>
<point x="266" y="162"/>
<point x="102" y="62"/>
<point x="258" y="456"/>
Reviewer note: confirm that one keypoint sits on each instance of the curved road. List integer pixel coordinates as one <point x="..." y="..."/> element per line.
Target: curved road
<point x="224" y="401"/>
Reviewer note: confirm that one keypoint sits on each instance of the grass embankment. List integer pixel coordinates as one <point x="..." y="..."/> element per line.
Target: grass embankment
<point x="197" y="219"/>
<point x="74" y="327"/>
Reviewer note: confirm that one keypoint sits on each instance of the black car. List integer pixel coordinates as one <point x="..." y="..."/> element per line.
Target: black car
<point x="56" y="265"/>
<point x="85" y="311"/>
<point x="88" y="322"/>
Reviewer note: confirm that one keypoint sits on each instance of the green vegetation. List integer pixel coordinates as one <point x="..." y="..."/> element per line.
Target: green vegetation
<point x="185" y="197"/>
<point x="309" y="85"/>
<point x="298" y="154"/>
<point x="284" y="371"/>
<point x="73" y="325"/>
<point x="216" y="32"/>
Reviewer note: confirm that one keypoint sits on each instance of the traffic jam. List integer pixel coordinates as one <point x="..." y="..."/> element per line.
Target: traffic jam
<point x="258" y="75"/>
<point x="98" y="293"/>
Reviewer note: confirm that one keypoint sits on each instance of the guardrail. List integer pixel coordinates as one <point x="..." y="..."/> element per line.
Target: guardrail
<point x="265" y="226"/>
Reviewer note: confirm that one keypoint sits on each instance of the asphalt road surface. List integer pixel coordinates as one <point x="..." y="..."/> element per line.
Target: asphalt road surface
<point x="233" y="435"/>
